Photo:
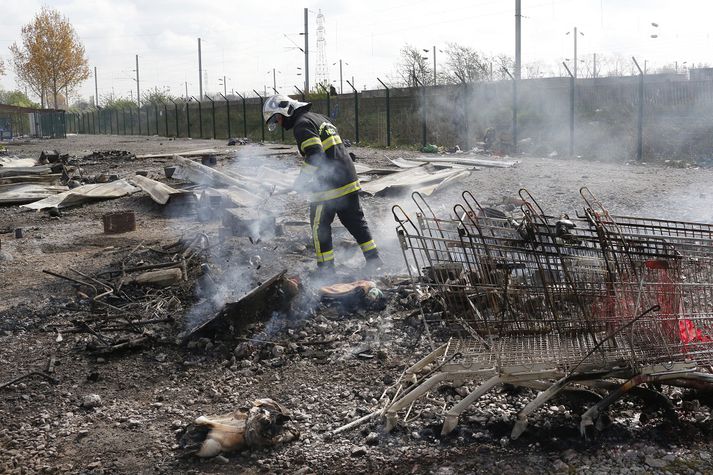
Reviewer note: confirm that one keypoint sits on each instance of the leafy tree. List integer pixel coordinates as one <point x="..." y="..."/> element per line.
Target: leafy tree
<point x="111" y="102"/>
<point x="2" y="67"/>
<point x="50" y="57"/>
<point x="16" y="98"/>
<point x="157" y="96"/>
<point x="413" y="65"/>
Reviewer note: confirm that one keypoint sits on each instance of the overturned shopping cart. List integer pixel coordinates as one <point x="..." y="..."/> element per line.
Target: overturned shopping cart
<point x="549" y="302"/>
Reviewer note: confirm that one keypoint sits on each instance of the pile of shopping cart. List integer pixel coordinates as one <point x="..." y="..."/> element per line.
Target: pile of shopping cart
<point x="553" y="301"/>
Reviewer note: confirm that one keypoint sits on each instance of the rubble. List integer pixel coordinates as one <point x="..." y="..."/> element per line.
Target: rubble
<point x="85" y="194"/>
<point x="264" y="424"/>
<point x="331" y="364"/>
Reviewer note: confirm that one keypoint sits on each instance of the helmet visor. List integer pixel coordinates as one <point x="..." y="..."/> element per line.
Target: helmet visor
<point x="272" y="123"/>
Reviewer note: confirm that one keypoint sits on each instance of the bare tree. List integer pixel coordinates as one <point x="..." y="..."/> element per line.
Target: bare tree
<point x="413" y="65"/>
<point x="50" y="57"/>
<point x="466" y="63"/>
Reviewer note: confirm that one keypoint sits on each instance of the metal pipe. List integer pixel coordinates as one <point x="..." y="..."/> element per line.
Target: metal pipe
<point x="388" y="113"/>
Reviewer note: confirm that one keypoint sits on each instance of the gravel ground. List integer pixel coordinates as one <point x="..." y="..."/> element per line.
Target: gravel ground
<point x="147" y="396"/>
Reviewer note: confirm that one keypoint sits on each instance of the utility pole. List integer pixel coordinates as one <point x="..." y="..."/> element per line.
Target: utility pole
<point x="200" y="70"/>
<point x="186" y="90"/>
<point x="518" y="50"/>
<point x="225" y="87"/>
<point x="96" y="89"/>
<point x="341" y="84"/>
<point x="138" y="89"/>
<point x="306" y="53"/>
<point x="434" y="66"/>
<point x="575" y="52"/>
<point x="274" y="81"/>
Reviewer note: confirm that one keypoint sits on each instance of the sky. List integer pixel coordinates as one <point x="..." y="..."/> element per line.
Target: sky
<point x="244" y="40"/>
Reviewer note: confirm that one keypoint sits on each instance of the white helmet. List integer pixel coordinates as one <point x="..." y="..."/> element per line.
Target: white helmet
<point x="280" y="104"/>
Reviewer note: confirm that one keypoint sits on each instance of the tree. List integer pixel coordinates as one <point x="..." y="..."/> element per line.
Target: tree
<point x="157" y="96"/>
<point x="16" y="98"/>
<point x="2" y="67"/>
<point x="50" y="57"/>
<point x="111" y="102"/>
<point x="466" y="63"/>
<point x="413" y="65"/>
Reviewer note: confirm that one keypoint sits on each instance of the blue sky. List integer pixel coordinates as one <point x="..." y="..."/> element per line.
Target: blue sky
<point x="244" y="40"/>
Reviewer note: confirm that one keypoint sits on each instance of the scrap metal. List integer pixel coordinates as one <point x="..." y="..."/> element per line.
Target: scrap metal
<point x="572" y="301"/>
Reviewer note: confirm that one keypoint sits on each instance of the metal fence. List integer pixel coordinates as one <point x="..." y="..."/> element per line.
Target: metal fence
<point x="641" y="116"/>
<point x="26" y="121"/>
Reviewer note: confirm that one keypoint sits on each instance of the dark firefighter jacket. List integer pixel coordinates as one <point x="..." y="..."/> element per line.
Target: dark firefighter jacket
<point x="328" y="172"/>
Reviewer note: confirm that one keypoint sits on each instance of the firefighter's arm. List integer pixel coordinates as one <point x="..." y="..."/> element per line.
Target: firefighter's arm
<point x="310" y="147"/>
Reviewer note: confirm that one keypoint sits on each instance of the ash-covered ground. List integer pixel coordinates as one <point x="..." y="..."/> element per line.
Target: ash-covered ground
<point x="329" y="365"/>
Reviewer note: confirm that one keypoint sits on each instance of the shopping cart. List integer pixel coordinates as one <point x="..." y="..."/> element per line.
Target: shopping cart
<point x="575" y="304"/>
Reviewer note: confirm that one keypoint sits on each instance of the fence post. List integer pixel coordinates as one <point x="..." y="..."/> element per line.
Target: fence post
<point x="466" y="122"/>
<point x="424" y="131"/>
<point x="155" y="114"/>
<point x="200" y="118"/>
<point x="227" y="107"/>
<point x="514" y="110"/>
<point x="175" y="110"/>
<point x="245" y="116"/>
<point x="301" y="93"/>
<point x="571" y="109"/>
<point x="212" y="107"/>
<point x="138" y="114"/>
<point x="165" y="117"/>
<point x="188" y="119"/>
<point x="640" y="128"/>
<point x="262" y="122"/>
<point x="329" y="107"/>
<point x="356" y="112"/>
<point x="388" y="113"/>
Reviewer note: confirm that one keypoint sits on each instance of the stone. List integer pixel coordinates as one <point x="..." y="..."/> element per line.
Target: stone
<point x="359" y="451"/>
<point x="654" y="462"/>
<point x="372" y="439"/>
<point x="91" y="401"/>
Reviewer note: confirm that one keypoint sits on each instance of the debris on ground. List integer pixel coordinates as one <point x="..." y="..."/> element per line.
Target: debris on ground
<point x="266" y="423"/>
<point x="421" y="179"/>
<point x="85" y="194"/>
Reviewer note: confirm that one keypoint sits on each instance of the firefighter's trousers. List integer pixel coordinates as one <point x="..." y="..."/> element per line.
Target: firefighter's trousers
<point x="349" y="211"/>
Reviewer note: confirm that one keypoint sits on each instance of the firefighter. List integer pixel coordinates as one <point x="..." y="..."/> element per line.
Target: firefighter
<point x="327" y="175"/>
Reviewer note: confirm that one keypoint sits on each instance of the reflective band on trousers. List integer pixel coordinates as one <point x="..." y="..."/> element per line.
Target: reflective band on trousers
<point x="310" y="141"/>
<point x="330" y="142"/>
<point x="368" y="246"/>
<point x="325" y="256"/>
<point x="336" y="192"/>
<point x="315" y="230"/>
